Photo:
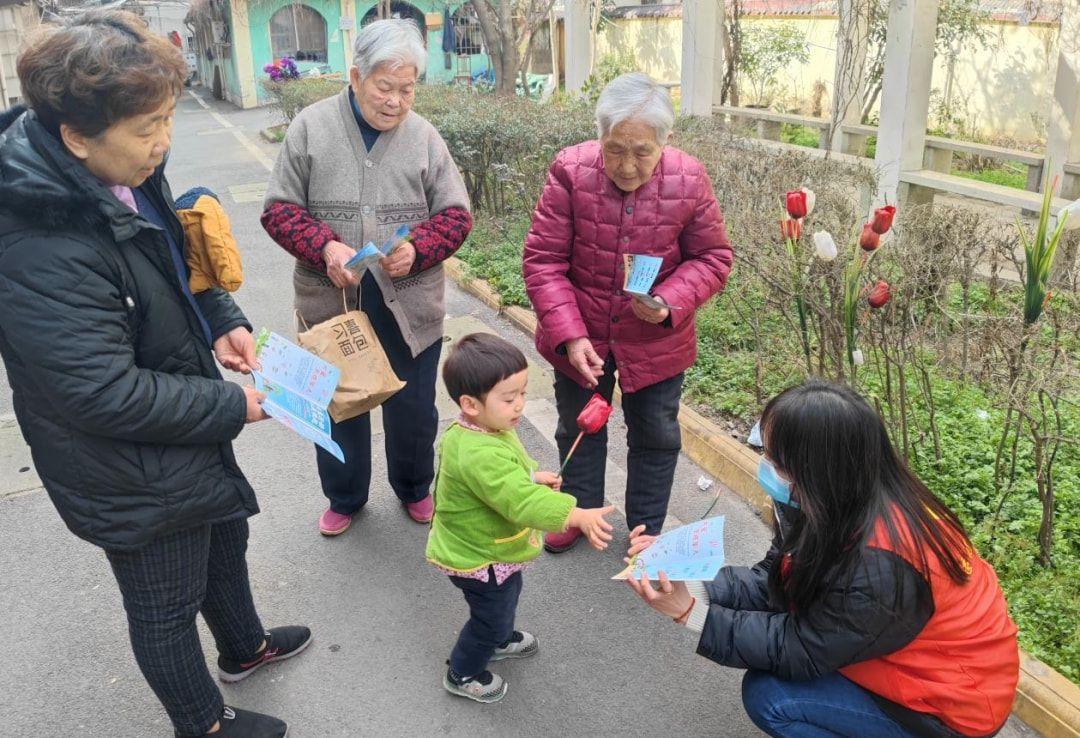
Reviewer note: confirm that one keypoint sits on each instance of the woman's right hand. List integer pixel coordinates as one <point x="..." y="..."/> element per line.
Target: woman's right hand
<point x="638" y="542"/>
<point x="254" y="400"/>
<point x="335" y="254"/>
<point x="583" y="357"/>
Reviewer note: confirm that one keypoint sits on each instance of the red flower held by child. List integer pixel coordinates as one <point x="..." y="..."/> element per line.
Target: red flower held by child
<point x="879" y="295"/>
<point x="594" y="415"/>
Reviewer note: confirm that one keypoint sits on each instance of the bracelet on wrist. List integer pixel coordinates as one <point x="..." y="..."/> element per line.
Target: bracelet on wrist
<point x="682" y="618"/>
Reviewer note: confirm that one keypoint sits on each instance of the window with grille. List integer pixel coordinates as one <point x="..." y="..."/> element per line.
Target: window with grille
<point x="468" y="38"/>
<point x="300" y="32"/>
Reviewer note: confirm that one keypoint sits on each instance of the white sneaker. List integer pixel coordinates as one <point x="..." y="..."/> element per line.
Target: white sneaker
<point x="484" y="687"/>
<point x="522" y="645"/>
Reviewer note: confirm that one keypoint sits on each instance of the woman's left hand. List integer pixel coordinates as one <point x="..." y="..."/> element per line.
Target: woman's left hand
<point x="236" y="350"/>
<point x="672" y="599"/>
<point x="400" y="261"/>
<point x="648" y="314"/>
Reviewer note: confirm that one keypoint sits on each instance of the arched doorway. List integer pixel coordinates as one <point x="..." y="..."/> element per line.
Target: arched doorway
<point x="398" y="10"/>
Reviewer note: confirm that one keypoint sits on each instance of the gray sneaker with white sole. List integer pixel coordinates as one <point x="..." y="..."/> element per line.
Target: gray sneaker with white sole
<point x="484" y="687"/>
<point x="521" y="645"/>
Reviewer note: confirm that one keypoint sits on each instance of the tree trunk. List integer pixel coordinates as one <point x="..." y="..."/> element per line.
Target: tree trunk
<point x="731" y="36"/>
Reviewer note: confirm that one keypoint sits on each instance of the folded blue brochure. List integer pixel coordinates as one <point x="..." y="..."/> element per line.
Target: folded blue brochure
<point x="298" y="386"/>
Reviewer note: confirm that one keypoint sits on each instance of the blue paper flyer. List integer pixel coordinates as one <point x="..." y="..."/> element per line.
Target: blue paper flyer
<point x="298" y="386"/>
<point x="371" y="254"/>
<point x="694" y="553"/>
<point x="639" y="274"/>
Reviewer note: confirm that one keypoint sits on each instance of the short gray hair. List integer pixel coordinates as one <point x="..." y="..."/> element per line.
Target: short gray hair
<point x="392" y="41"/>
<point x="635" y="96"/>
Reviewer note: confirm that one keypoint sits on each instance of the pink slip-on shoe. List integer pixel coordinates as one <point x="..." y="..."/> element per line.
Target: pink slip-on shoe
<point x="559" y="542"/>
<point x="333" y="523"/>
<point x="421" y="511"/>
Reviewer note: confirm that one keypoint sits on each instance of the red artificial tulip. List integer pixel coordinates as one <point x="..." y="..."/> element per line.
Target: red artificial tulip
<point x="879" y="295"/>
<point x="797" y="206"/>
<point x="869" y="240"/>
<point x="594" y="415"/>
<point x="790" y="229"/>
<point x="883" y="218"/>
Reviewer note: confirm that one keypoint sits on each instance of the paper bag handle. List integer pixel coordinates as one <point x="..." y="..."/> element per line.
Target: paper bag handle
<point x="344" y="305"/>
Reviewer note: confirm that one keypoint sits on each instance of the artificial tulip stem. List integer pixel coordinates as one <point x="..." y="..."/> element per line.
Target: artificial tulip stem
<point x="571" y="452"/>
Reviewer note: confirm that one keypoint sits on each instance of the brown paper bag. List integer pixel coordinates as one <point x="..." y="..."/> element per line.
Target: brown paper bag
<point x="349" y="342"/>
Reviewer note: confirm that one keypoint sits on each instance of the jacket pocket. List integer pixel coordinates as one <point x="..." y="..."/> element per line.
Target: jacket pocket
<point x="520" y="534"/>
<point x="317" y="299"/>
<point x="422" y="297"/>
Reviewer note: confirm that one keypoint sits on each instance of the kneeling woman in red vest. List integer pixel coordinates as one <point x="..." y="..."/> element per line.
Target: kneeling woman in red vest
<point x="872" y="615"/>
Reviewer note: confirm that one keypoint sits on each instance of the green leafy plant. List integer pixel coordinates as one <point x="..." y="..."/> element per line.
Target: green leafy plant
<point x="766" y="50"/>
<point x="1039" y="252"/>
<point x="608" y="68"/>
<point x="290" y="96"/>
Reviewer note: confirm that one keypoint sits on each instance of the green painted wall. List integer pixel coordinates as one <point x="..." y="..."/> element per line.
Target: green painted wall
<point x="339" y="57"/>
<point x="259" y="17"/>
<point x="436" y="62"/>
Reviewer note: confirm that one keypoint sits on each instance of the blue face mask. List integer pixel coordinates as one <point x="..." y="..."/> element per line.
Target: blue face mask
<point x="774" y="486"/>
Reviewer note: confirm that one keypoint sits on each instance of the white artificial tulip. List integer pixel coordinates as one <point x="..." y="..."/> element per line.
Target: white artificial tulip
<point x="824" y="246"/>
<point x="811" y="198"/>
<point x="857" y="357"/>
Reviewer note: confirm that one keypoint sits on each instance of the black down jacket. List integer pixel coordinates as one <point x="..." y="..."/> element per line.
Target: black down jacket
<point x="115" y="388"/>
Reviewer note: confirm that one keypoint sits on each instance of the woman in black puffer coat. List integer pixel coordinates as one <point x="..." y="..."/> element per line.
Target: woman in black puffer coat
<point x="111" y="359"/>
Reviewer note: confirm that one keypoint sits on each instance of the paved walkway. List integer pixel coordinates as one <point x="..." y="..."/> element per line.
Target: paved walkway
<point x="383" y="620"/>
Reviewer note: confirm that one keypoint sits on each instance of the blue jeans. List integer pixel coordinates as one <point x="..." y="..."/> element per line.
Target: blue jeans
<point x="410" y="422"/>
<point x="829" y="707"/>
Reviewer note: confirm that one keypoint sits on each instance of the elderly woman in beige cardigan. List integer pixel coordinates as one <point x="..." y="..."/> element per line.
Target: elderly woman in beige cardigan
<point x="354" y="168"/>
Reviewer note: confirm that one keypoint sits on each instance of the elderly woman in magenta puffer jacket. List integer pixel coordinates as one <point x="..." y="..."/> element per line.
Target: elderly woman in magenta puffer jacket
<point x="627" y="193"/>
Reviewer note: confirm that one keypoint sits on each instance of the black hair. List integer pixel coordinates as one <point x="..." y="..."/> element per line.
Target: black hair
<point x="478" y="362"/>
<point x="847" y="479"/>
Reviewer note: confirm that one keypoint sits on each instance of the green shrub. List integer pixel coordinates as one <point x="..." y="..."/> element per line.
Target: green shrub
<point x="290" y="97"/>
<point x="503" y="146"/>
<point x="800" y="135"/>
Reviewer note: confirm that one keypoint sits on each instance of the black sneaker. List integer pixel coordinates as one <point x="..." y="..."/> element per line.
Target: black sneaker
<point x="235" y="723"/>
<point x="281" y="643"/>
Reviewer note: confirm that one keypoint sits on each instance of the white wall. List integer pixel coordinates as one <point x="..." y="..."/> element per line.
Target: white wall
<point x="15" y="22"/>
<point x="1001" y="89"/>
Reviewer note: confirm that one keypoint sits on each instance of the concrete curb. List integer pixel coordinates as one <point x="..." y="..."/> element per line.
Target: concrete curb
<point x="1045" y="699"/>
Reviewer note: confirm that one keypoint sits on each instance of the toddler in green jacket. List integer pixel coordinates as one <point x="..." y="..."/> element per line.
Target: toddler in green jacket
<point x="491" y="508"/>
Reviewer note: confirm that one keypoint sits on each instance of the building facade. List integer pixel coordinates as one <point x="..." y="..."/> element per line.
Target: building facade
<point x="235" y="39"/>
<point x="17" y="19"/>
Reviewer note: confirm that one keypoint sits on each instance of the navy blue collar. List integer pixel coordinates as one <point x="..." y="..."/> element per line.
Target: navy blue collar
<point x="370" y="134"/>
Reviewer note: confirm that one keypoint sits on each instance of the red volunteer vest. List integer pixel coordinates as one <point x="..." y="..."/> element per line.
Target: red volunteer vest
<point x="964" y="665"/>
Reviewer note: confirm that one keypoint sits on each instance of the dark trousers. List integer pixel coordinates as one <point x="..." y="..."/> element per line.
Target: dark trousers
<point x="653" y="437"/>
<point x="410" y="422"/>
<point x="164" y="584"/>
<point x="491" y="621"/>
